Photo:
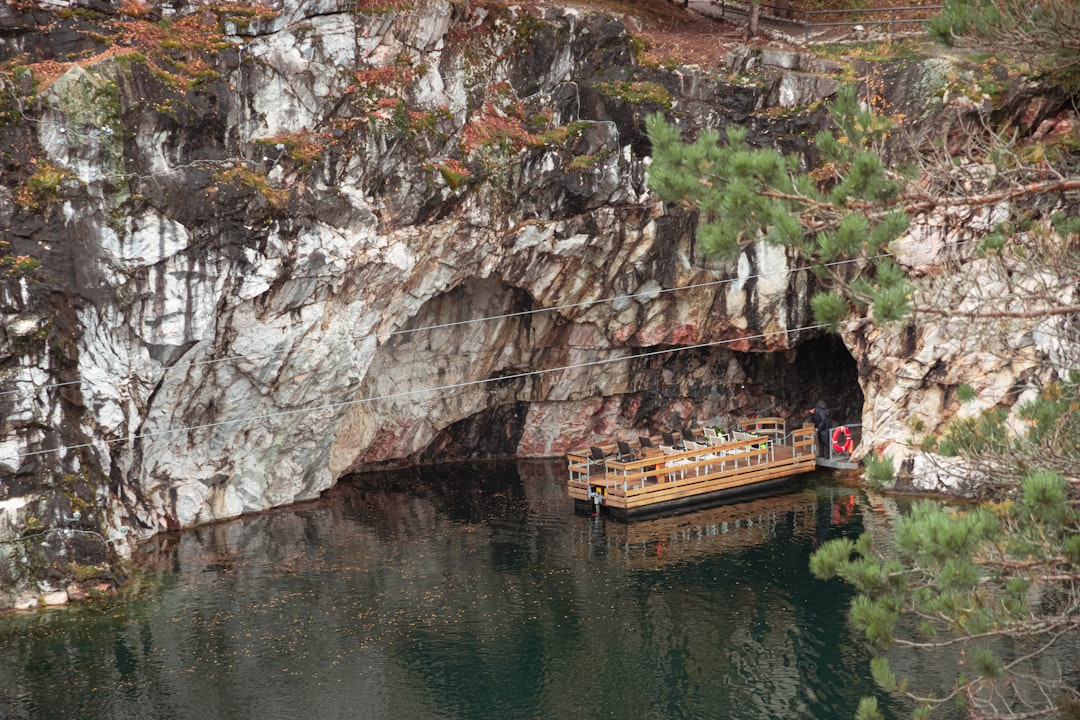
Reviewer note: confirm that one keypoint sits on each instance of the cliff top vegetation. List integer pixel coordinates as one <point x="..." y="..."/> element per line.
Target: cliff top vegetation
<point x="997" y="585"/>
<point x="674" y="34"/>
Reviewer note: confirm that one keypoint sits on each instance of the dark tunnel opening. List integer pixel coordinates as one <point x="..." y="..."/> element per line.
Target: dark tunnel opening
<point x="785" y="383"/>
<point x="665" y="388"/>
<point x="820" y="370"/>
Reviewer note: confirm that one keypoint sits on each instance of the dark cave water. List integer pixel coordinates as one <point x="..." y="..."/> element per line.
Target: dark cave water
<point x="472" y="591"/>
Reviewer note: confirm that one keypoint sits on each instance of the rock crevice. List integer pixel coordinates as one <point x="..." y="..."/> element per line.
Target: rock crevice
<point x="312" y="242"/>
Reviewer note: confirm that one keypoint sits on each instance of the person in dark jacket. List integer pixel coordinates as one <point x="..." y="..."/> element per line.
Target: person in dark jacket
<point x="820" y="417"/>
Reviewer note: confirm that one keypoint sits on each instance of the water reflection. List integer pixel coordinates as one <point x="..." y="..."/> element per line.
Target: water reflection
<point x="470" y="592"/>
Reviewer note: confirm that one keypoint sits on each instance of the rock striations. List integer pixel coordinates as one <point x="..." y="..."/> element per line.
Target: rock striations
<point x="254" y="248"/>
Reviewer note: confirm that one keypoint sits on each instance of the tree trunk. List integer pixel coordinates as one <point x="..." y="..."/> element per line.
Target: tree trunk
<point x="755" y="10"/>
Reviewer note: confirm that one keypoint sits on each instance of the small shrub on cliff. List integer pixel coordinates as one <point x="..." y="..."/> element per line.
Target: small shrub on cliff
<point x="453" y="172"/>
<point x="561" y="135"/>
<point x="493" y="128"/>
<point x="581" y="163"/>
<point x="303" y="148"/>
<point x="276" y="198"/>
<point x="134" y="9"/>
<point x="18" y="264"/>
<point x="20" y="86"/>
<point x="637" y="92"/>
<point x="879" y="470"/>
<point x="379" y="87"/>
<point x="380" y="7"/>
<point x="42" y="188"/>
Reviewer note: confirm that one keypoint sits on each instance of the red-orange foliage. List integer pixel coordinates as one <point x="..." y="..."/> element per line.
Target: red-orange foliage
<point x="386" y="76"/>
<point x="181" y="45"/>
<point x="302" y="147"/>
<point x="490" y="127"/>
<point x="134" y="8"/>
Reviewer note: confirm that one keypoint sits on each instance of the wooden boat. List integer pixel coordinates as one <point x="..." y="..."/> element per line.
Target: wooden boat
<point x="759" y="457"/>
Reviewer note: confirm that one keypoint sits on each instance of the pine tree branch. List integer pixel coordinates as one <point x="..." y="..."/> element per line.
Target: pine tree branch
<point x="1026" y="564"/>
<point x="1016" y="192"/>
<point x="1022" y="630"/>
<point x="1001" y="314"/>
<point x="919" y="202"/>
<point x="1045" y="712"/>
<point x="933" y="702"/>
<point x="1040" y="650"/>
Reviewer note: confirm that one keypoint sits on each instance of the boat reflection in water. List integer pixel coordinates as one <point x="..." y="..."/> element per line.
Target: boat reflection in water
<point x="462" y="592"/>
<point x="797" y="515"/>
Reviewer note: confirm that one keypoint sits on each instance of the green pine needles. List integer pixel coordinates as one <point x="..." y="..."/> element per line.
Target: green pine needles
<point x="994" y="586"/>
<point x="879" y="471"/>
<point x="994" y="589"/>
<point x="846" y="210"/>
<point x="1052" y="440"/>
<point x="1044" y="33"/>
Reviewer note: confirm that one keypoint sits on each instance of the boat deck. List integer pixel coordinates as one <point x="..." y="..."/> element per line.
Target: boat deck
<point x="663" y="479"/>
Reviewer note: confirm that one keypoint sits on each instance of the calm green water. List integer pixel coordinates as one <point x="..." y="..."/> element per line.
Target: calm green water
<point x="468" y="593"/>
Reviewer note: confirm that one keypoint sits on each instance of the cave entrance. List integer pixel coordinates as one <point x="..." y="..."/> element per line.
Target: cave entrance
<point x="821" y="369"/>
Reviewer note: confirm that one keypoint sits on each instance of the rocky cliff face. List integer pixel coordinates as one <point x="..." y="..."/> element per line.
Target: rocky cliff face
<point x="252" y="249"/>
<point x="278" y="246"/>
<point x="913" y="372"/>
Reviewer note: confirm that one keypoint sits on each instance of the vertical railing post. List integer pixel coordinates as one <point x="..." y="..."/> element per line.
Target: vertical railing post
<point x="806" y="26"/>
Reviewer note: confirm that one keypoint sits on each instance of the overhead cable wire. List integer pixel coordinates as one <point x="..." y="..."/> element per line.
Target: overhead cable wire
<point x="419" y="391"/>
<point x="650" y="294"/>
<point x="522" y="313"/>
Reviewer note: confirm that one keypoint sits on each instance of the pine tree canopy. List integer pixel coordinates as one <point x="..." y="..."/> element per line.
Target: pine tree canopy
<point x="993" y="587"/>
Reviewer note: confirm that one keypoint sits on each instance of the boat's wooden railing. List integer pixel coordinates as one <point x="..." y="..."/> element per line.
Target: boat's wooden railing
<point x="658" y="467"/>
<point x="581" y="465"/>
<point x="670" y="466"/>
<point x="802" y="440"/>
<point x="773" y="427"/>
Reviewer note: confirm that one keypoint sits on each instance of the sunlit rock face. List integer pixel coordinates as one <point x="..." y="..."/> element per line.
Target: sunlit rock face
<point x="990" y="337"/>
<point x="285" y="245"/>
<point x="278" y="247"/>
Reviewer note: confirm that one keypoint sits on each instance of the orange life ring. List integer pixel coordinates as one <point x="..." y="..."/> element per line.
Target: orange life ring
<point x="841" y="439"/>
